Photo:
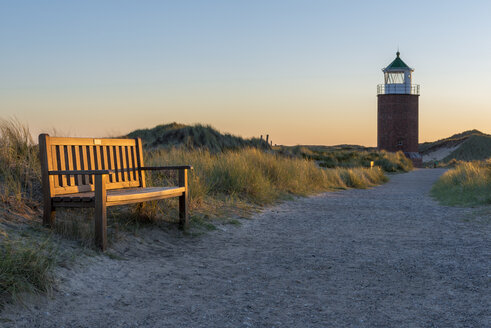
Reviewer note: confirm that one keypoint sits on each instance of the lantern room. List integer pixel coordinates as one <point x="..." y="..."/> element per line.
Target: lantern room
<point x="398" y="78"/>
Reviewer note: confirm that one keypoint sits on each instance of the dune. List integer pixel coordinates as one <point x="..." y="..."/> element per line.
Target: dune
<point x="439" y="154"/>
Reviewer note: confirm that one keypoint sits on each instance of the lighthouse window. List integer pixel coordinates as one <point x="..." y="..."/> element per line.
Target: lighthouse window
<point x="391" y="78"/>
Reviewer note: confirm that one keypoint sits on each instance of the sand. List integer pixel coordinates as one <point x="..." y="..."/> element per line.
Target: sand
<point x="383" y="257"/>
<point x="439" y="154"/>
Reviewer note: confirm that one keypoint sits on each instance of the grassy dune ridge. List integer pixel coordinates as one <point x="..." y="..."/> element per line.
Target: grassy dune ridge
<point x="467" y="184"/>
<point x="194" y="136"/>
<point x="470" y="145"/>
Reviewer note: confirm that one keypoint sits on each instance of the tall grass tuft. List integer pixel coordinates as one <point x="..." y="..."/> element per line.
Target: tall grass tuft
<point x="25" y="266"/>
<point x="467" y="184"/>
<point x="393" y="162"/>
<point x="20" y="174"/>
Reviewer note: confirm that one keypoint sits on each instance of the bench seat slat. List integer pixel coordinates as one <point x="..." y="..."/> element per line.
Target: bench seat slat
<point x="142" y="193"/>
<point x="130" y="195"/>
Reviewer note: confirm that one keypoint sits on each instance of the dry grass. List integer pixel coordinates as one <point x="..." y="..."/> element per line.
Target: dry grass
<point x="351" y="157"/>
<point x="467" y="184"/>
<point x="256" y="176"/>
<point x="25" y="263"/>
<point x="19" y="165"/>
<point x="25" y="266"/>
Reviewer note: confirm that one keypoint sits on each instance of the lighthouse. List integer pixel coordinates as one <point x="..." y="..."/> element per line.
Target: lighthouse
<point x="398" y="110"/>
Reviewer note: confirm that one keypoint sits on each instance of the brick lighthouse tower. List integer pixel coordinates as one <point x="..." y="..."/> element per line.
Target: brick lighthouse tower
<point x="397" y="124"/>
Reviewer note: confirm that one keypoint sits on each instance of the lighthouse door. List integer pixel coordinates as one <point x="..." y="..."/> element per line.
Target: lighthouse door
<point x="400" y="144"/>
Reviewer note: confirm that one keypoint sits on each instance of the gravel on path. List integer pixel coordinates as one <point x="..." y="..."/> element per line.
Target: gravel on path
<point x="389" y="256"/>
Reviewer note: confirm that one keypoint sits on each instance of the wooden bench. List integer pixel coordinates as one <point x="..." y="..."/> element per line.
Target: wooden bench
<point x="84" y="172"/>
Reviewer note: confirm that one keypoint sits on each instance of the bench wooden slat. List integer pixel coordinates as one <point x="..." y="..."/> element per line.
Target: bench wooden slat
<point x="134" y="162"/>
<point x="98" y="159"/>
<point x="139" y="160"/>
<point x="129" y="163"/>
<point x="54" y="165"/>
<point x="70" y="166"/>
<point x="61" y="165"/>
<point x="118" y="195"/>
<point x="79" y="172"/>
<point x="139" y="194"/>
<point x="129" y="155"/>
<point x="124" y="164"/>
<point x="110" y="152"/>
<point x="119" y="176"/>
<point x="104" y="158"/>
<point x="84" y="188"/>
<point x="85" y="164"/>
<point x="146" y="199"/>
<point x="91" y="155"/>
<point x="129" y="166"/>
<point x="78" y="164"/>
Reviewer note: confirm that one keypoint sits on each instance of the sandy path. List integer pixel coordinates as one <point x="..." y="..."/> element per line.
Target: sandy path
<point x="385" y="257"/>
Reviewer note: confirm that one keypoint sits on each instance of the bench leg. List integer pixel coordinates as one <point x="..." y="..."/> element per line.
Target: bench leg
<point x="140" y="210"/>
<point x="183" y="212"/>
<point x="100" y="212"/>
<point x="100" y="227"/>
<point x="48" y="216"/>
<point x="183" y="200"/>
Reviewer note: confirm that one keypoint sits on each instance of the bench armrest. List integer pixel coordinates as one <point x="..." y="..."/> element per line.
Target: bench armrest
<point x="80" y="172"/>
<point x="161" y="168"/>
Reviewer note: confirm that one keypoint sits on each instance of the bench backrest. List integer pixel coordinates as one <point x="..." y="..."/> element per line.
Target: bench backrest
<point x="124" y="156"/>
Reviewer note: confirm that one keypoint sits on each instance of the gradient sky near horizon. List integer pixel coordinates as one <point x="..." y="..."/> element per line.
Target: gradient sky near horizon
<point x="304" y="72"/>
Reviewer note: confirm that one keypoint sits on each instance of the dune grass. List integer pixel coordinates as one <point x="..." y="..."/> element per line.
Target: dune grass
<point x="20" y="174"/>
<point x="467" y="184"/>
<point x="25" y="267"/>
<point x="349" y="156"/>
<point x="25" y="263"/>
<point x="256" y="176"/>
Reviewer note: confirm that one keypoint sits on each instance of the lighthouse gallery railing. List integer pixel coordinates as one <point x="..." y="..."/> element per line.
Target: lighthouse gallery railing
<point x="387" y="89"/>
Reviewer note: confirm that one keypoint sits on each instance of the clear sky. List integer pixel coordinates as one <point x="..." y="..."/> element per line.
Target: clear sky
<point x="303" y="71"/>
